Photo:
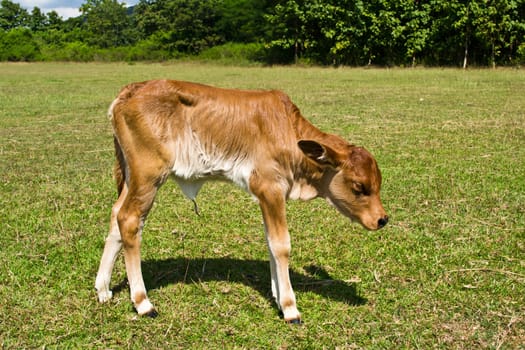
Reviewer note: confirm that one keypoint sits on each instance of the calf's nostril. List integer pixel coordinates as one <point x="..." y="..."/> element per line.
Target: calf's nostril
<point x="382" y="222"/>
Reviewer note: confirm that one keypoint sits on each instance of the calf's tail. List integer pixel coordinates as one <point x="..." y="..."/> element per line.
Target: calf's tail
<point x="119" y="171"/>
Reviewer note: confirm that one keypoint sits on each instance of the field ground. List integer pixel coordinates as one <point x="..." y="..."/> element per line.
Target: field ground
<point x="447" y="272"/>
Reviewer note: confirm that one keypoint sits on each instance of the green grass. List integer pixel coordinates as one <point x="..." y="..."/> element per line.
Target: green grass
<point x="447" y="272"/>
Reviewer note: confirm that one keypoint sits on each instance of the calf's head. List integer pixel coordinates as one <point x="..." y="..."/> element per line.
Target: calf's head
<point x="350" y="181"/>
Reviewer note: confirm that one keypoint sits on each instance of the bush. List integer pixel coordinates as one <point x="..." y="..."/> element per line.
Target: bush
<point x="18" y="45"/>
<point x="235" y="53"/>
<point x="76" y="51"/>
<point x="149" y="50"/>
<point x="521" y="54"/>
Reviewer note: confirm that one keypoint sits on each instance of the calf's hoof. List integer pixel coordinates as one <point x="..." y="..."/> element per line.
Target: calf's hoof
<point x="152" y="314"/>
<point x="295" y="321"/>
<point x="104" y="296"/>
<point x="145" y="308"/>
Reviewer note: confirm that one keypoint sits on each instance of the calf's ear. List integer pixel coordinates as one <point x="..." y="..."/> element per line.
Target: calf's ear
<point x="319" y="153"/>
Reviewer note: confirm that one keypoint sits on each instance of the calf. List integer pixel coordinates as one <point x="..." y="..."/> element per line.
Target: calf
<point x="256" y="139"/>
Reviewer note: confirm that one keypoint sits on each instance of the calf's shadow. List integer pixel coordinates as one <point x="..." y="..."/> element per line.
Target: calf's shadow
<point x="252" y="273"/>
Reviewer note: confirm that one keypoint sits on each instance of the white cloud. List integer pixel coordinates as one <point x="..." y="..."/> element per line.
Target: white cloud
<point x="64" y="8"/>
<point x="50" y="4"/>
<point x="64" y="12"/>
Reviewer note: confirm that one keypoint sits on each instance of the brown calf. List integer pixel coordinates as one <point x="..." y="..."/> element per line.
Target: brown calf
<point x="255" y="139"/>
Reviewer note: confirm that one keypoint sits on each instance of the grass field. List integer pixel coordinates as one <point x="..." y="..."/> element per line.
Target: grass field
<point x="448" y="272"/>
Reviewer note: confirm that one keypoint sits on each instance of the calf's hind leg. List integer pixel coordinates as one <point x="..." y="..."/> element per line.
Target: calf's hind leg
<point x="131" y="218"/>
<point x="111" y="249"/>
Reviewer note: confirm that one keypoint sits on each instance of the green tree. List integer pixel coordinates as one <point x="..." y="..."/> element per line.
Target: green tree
<point x="337" y="31"/>
<point x="416" y="28"/>
<point x="107" y="23"/>
<point x="289" y="27"/>
<point x="397" y="32"/>
<point x="37" y="20"/>
<point x="54" y="21"/>
<point x="327" y="31"/>
<point x="494" y="22"/>
<point x="451" y="32"/>
<point x="352" y="32"/>
<point x="186" y="26"/>
<point x="382" y="24"/>
<point x="12" y="15"/>
<point x="151" y="16"/>
<point x="516" y="42"/>
<point x="242" y="20"/>
<point x="477" y="31"/>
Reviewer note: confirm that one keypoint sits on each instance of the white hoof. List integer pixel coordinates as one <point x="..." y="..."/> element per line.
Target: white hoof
<point x="104" y="296"/>
<point x="145" y="308"/>
<point x="291" y="315"/>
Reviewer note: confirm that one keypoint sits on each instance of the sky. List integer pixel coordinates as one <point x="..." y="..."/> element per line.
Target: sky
<point x="64" y="8"/>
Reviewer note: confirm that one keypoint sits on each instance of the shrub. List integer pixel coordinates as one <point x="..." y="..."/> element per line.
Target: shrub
<point x="77" y="51"/>
<point x="149" y="50"/>
<point x="235" y="53"/>
<point x="18" y="45"/>
<point x="521" y="54"/>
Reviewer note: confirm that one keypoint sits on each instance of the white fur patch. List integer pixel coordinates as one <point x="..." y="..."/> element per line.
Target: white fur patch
<point x="194" y="165"/>
<point x="303" y="191"/>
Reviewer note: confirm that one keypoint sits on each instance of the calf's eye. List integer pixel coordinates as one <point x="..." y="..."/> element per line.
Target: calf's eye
<point x="357" y="188"/>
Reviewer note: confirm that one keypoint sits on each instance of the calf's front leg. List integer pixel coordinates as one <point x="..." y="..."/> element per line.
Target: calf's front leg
<point x="272" y="205"/>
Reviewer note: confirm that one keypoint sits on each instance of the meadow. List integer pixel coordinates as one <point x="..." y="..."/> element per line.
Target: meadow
<point x="448" y="272"/>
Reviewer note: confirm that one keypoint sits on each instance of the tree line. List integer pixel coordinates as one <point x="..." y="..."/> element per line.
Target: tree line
<point x="328" y="32"/>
